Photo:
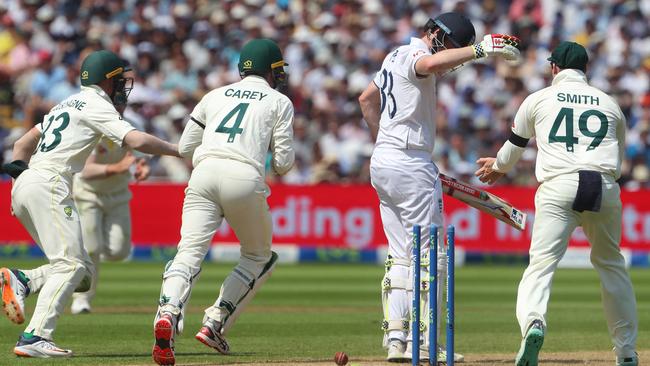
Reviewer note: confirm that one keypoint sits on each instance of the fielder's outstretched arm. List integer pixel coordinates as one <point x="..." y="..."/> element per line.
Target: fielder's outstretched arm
<point x="94" y="170"/>
<point x="149" y="144"/>
<point x="191" y="138"/>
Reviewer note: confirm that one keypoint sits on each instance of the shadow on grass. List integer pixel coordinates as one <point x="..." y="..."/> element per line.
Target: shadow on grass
<point x="148" y="355"/>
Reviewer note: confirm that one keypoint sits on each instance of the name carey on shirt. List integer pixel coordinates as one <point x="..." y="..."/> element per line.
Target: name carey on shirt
<point x="245" y="94"/>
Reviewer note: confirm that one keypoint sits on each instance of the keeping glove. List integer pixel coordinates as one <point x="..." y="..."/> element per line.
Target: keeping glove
<point x="498" y="44"/>
<point x="14" y="169"/>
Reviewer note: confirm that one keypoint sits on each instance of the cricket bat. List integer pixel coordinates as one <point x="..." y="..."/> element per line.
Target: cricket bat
<point x="484" y="201"/>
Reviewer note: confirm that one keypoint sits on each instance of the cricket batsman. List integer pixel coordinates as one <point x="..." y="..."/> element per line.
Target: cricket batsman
<point x="580" y="134"/>
<point x="228" y="137"/>
<point x="399" y="107"/>
<point x="44" y="162"/>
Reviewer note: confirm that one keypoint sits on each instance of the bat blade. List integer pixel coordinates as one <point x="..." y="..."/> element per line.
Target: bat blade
<point x="484" y="201"/>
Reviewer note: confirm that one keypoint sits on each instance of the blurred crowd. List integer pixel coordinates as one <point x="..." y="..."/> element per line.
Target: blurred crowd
<point x="181" y="49"/>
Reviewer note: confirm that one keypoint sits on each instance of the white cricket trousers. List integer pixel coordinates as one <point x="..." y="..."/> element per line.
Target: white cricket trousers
<point x="409" y="193"/>
<point x="555" y="220"/>
<point x="42" y="201"/>
<point x="106" y="229"/>
<point x="226" y="188"/>
<point x="218" y="189"/>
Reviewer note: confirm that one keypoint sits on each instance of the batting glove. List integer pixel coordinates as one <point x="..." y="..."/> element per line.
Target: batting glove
<point x="498" y="44"/>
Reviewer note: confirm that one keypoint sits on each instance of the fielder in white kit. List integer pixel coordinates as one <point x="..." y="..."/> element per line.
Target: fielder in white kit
<point x="101" y="193"/>
<point x="229" y="134"/>
<point x="41" y="196"/>
<point x="580" y="134"/>
<point x="399" y="107"/>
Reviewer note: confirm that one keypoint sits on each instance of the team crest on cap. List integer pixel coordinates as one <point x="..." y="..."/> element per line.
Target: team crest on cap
<point x="84" y="75"/>
<point x="248" y="64"/>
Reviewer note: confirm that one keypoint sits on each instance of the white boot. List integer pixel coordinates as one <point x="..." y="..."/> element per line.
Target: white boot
<point x="442" y="356"/>
<point x="396" y="350"/>
<point x="34" y="346"/>
<point x="424" y="354"/>
<point x="80" y="305"/>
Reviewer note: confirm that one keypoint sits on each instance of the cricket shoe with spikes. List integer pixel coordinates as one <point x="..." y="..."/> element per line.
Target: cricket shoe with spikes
<point x="30" y="345"/>
<point x="13" y="285"/>
<point x="163" y="349"/>
<point x="210" y="335"/>
<point x="531" y="344"/>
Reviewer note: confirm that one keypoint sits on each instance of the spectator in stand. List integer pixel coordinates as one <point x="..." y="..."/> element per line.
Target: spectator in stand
<point x="182" y="49"/>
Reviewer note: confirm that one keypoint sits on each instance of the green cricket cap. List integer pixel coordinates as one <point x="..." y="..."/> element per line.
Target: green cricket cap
<point x="260" y="56"/>
<point x="570" y="55"/>
<point x="101" y="65"/>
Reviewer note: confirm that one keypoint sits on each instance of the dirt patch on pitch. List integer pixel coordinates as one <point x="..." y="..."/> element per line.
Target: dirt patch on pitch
<point x="546" y="359"/>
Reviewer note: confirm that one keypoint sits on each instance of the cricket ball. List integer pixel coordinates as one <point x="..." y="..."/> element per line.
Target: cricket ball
<point x="341" y="358"/>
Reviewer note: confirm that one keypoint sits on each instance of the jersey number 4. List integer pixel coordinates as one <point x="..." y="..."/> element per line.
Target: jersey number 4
<point x="233" y="131"/>
<point x="568" y="139"/>
<point x="65" y="120"/>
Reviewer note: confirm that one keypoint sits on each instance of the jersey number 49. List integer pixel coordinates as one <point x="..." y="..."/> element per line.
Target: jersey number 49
<point x="569" y="139"/>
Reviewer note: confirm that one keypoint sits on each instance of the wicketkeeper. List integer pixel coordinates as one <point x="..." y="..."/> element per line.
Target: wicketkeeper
<point x="228" y="136"/>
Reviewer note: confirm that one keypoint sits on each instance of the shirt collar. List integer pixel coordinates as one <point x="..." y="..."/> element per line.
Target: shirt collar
<point x="570" y="75"/>
<point x="98" y="90"/>
<point x="255" y="79"/>
<point x="418" y="42"/>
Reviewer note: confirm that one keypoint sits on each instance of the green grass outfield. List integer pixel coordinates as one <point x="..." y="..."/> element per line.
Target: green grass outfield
<point x="309" y="312"/>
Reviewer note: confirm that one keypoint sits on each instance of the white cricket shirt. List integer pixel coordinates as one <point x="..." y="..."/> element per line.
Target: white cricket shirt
<point x="241" y="121"/>
<point x="408" y="102"/>
<point x="72" y="128"/>
<point x="577" y="127"/>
